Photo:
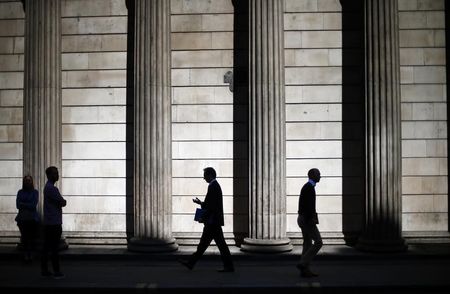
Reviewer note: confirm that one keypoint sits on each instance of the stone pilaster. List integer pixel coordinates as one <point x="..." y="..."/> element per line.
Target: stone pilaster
<point x="42" y="90"/>
<point x="267" y="155"/>
<point x="383" y="229"/>
<point x="152" y="128"/>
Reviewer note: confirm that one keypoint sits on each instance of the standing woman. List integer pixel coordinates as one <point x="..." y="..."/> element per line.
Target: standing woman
<point x="27" y="219"/>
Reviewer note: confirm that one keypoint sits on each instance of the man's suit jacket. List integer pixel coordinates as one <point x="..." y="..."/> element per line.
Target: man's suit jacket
<point x="307" y="203"/>
<point x="213" y="205"/>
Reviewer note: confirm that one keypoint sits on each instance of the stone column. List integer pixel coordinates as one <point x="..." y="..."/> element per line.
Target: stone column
<point x="42" y="90"/>
<point x="383" y="229"/>
<point x="267" y="155"/>
<point x="152" y="128"/>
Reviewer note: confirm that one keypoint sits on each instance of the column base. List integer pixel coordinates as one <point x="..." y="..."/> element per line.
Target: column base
<point x="152" y="245"/>
<point x="381" y="246"/>
<point x="266" y="246"/>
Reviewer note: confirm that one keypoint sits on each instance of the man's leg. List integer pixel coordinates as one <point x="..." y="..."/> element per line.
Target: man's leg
<point x="55" y="238"/>
<point x="223" y="248"/>
<point x="44" y="254"/>
<point x="317" y="238"/>
<point x="205" y="240"/>
<point x="307" y="241"/>
<point x="311" y="252"/>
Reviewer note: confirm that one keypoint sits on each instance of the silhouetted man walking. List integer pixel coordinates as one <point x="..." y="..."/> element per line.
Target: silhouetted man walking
<point x="213" y="221"/>
<point x="307" y="221"/>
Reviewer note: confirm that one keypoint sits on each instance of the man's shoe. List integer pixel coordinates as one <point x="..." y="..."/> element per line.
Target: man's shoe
<point x="306" y="272"/>
<point x="309" y="274"/>
<point x="186" y="264"/>
<point x="58" y="275"/>
<point x="226" y="270"/>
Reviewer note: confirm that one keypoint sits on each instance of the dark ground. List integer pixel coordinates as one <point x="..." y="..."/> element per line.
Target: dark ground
<point x="342" y="269"/>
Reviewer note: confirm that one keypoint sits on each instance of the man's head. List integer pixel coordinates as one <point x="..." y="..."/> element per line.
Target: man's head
<point x="314" y="174"/>
<point x="209" y="174"/>
<point x="52" y="173"/>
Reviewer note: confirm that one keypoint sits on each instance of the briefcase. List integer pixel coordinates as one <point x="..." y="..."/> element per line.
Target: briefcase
<point x="199" y="215"/>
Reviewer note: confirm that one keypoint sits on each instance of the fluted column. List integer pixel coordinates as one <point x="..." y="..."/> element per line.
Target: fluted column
<point x="267" y="155"/>
<point x="42" y="90"/>
<point x="383" y="229"/>
<point x="152" y="128"/>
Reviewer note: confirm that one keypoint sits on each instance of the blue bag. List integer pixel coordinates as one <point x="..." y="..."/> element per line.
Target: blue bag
<point x="199" y="213"/>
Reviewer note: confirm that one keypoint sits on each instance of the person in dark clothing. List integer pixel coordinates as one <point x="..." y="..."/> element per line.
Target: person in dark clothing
<point x="27" y="218"/>
<point x="53" y="203"/>
<point x="308" y="221"/>
<point x="213" y="221"/>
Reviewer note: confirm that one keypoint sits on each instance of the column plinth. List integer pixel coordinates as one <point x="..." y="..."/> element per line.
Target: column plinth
<point x="267" y="245"/>
<point x="374" y="245"/>
<point x="148" y="244"/>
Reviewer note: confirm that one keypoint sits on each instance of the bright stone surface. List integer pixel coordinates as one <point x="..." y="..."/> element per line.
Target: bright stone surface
<point x="94" y="114"/>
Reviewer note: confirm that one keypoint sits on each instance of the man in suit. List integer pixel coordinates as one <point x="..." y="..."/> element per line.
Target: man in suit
<point x="213" y="222"/>
<point x="307" y="221"/>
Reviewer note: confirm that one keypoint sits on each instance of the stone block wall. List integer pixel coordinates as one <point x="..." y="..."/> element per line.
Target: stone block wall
<point x="424" y="115"/>
<point x="94" y="61"/>
<point x="11" y="110"/>
<point x="203" y="112"/>
<point x="324" y="114"/>
<point x="323" y="122"/>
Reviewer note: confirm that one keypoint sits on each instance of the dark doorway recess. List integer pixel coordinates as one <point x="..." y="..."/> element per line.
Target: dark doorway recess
<point x="130" y="121"/>
<point x="353" y="120"/>
<point x="240" y="120"/>
<point x="447" y="66"/>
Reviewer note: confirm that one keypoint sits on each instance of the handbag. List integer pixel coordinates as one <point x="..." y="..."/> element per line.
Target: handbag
<point x="199" y="213"/>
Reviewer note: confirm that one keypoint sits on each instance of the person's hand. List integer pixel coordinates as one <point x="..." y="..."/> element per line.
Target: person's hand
<point x="196" y="200"/>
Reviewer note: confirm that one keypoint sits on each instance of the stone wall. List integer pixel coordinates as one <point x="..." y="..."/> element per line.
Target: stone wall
<point x="424" y="115"/>
<point x="94" y="61"/>
<point x="323" y="122"/>
<point x="324" y="114"/>
<point x="203" y="113"/>
<point x="11" y="109"/>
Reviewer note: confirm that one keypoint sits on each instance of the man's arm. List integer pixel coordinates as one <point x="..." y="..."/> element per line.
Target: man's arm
<point x="56" y="197"/>
<point x="197" y="201"/>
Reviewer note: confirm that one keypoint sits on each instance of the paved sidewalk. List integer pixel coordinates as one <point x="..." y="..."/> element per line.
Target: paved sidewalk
<point x="424" y="269"/>
<point x="326" y="252"/>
